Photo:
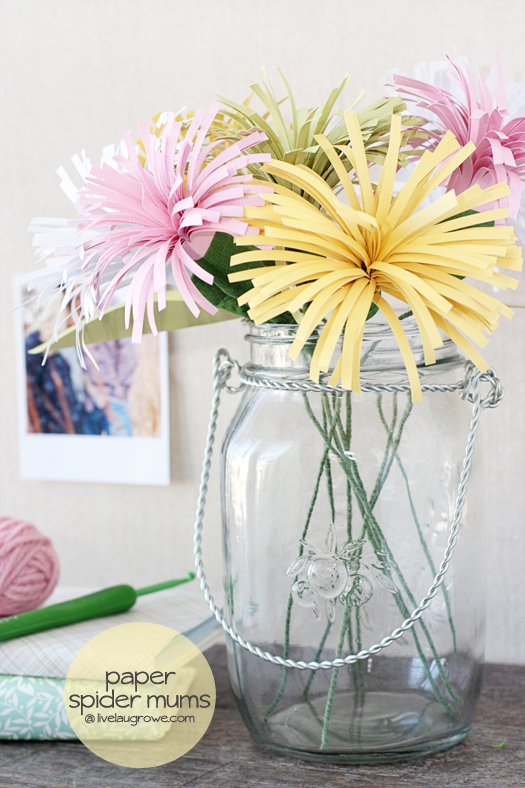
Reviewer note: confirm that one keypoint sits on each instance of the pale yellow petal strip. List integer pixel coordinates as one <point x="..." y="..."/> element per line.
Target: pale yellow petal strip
<point x="465" y="222"/>
<point x="470" y="264"/>
<point x="313" y="315"/>
<point x="274" y="306"/>
<point x="354" y="325"/>
<point x="342" y="277"/>
<point x="292" y="236"/>
<point x="284" y="276"/>
<point x="271" y="254"/>
<point x="427" y="328"/>
<point x="489" y="277"/>
<point x="329" y="336"/>
<point x="346" y="245"/>
<point x="513" y="260"/>
<point x="422" y="192"/>
<point x="404" y="346"/>
<point x="474" y="197"/>
<point x="364" y="308"/>
<point x="306" y="179"/>
<point x="388" y="172"/>
<point x="340" y="169"/>
<point x="462" y="343"/>
<point x="348" y="220"/>
<point x="397" y="273"/>
<point x="457" y="255"/>
<point x="484" y="299"/>
<point x="326" y="334"/>
<point x="420" y="174"/>
<point x="418" y="222"/>
<point x="467" y="325"/>
<point x="361" y="163"/>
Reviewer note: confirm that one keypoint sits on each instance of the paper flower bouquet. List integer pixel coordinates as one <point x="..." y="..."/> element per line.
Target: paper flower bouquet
<point x="364" y="291"/>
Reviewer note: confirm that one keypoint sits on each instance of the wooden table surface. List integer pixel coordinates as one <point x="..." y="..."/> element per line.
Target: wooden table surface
<point x="227" y="757"/>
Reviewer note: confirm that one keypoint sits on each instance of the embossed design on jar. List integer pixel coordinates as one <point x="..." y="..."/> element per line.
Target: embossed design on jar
<point x="325" y="575"/>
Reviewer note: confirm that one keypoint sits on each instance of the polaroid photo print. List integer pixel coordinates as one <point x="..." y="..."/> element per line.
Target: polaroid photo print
<point x="107" y="423"/>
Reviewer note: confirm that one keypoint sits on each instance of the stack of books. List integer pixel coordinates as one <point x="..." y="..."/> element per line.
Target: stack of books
<point x="33" y="668"/>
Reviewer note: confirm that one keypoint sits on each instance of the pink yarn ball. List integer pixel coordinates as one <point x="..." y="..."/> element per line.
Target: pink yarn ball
<point x="29" y="567"/>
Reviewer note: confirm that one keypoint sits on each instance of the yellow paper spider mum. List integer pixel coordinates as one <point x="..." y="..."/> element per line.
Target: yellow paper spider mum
<point x="338" y="259"/>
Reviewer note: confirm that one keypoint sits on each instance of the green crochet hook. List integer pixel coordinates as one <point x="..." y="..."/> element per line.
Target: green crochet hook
<point x="107" y="602"/>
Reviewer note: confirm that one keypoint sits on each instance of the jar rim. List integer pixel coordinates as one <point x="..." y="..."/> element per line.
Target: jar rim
<point x="270" y="343"/>
<point x="285" y="332"/>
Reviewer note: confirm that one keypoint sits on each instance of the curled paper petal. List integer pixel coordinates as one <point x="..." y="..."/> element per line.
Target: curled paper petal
<point x="146" y="216"/>
<point x="161" y="211"/>
<point x="474" y="117"/>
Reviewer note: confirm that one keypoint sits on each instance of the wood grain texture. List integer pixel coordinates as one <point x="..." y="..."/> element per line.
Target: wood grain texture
<point x="228" y="758"/>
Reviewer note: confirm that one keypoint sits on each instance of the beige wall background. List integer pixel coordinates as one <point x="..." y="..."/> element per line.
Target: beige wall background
<point x="78" y="74"/>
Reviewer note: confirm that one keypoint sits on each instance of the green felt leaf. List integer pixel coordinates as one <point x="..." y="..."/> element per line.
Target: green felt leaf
<point x="219" y="298"/>
<point x="224" y="294"/>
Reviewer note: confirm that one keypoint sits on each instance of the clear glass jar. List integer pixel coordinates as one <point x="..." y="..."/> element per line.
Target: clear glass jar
<point x="337" y="511"/>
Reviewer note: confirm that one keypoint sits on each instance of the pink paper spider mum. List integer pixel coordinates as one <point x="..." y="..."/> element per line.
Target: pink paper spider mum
<point x="499" y="139"/>
<point x="165" y="214"/>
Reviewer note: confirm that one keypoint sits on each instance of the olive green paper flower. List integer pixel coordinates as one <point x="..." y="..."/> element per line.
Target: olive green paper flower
<point x="295" y="142"/>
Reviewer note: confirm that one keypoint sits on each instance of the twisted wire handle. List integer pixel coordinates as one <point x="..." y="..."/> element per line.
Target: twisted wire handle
<point x="469" y="388"/>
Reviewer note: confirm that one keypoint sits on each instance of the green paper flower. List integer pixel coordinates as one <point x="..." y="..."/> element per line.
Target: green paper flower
<point x="295" y="143"/>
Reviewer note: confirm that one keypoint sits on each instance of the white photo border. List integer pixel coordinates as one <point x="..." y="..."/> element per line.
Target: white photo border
<point x="90" y="458"/>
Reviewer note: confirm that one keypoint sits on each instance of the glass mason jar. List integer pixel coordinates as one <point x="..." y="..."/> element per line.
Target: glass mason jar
<point x="337" y="511"/>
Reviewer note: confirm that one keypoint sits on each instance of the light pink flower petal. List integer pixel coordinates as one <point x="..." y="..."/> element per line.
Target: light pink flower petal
<point x="499" y="140"/>
<point x="180" y="281"/>
<point x="192" y="266"/>
<point x="138" y="219"/>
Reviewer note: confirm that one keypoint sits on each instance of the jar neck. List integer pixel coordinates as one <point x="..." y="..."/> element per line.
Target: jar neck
<point x="270" y="344"/>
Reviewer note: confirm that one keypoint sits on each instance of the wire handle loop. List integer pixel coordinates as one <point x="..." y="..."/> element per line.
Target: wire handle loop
<point x="469" y="388"/>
